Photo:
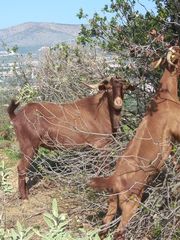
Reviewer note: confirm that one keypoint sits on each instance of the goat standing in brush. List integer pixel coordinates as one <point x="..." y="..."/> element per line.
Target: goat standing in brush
<point x="88" y="121"/>
<point x="146" y="153"/>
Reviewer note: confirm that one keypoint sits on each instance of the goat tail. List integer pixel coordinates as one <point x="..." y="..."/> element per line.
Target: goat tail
<point x="101" y="182"/>
<point x="12" y="106"/>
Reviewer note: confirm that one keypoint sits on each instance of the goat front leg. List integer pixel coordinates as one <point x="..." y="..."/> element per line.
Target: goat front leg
<point x="23" y="165"/>
<point x="129" y="207"/>
<point x="112" y="209"/>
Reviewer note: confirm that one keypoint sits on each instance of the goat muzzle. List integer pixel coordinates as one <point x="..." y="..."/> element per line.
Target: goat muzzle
<point x="118" y="102"/>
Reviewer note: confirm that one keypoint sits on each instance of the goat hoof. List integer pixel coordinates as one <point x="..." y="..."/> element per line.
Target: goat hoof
<point x="102" y="234"/>
<point x="23" y="197"/>
<point x="119" y="236"/>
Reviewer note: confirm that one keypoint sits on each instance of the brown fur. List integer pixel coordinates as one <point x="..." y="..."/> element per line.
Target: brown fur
<point x="89" y="121"/>
<point x="146" y="153"/>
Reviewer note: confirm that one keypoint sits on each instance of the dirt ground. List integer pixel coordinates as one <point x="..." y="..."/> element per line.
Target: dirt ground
<point x="30" y="212"/>
<point x="82" y="207"/>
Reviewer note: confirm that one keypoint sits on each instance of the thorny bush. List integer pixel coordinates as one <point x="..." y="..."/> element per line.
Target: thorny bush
<point x="60" y="77"/>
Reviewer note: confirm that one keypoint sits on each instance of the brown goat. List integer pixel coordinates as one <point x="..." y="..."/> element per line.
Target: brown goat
<point x="89" y="121"/>
<point x="147" y="151"/>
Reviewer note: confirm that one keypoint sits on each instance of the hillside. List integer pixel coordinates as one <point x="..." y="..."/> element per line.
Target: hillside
<point x="31" y="36"/>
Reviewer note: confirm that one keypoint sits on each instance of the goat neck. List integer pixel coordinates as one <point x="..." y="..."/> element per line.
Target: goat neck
<point x="169" y="84"/>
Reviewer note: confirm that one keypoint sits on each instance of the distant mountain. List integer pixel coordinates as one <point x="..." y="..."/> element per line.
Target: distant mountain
<point x="31" y="36"/>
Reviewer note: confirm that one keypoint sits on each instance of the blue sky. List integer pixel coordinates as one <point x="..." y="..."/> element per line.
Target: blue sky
<point x="14" y="12"/>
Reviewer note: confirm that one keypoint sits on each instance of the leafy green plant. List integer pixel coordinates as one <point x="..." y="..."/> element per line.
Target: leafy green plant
<point x="177" y="234"/>
<point x="6" y="131"/>
<point x="57" y="224"/>
<point x="27" y="93"/>
<point x="57" y="229"/>
<point x="5" y="186"/>
<point x="20" y="233"/>
<point x="12" y="154"/>
<point x="156" y="232"/>
<point x="2" y="234"/>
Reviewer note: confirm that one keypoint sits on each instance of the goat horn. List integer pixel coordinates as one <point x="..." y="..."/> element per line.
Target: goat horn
<point x="157" y="63"/>
<point x="169" y="56"/>
<point x="92" y="86"/>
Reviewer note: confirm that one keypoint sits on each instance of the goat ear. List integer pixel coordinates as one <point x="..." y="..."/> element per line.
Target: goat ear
<point x="105" y="85"/>
<point x="129" y="87"/>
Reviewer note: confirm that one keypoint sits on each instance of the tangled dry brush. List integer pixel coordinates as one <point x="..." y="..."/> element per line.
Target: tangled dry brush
<point x="61" y="76"/>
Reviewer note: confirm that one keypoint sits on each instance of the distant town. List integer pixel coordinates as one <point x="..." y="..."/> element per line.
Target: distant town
<point x="8" y="62"/>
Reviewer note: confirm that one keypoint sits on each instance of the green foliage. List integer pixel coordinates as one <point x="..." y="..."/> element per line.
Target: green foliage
<point x="5" y="186"/>
<point x="2" y="234"/>
<point x="58" y="227"/>
<point x="27" y="93"/>
<point x="177" y="234"/>
<point x="81" y="14"/>
<point x="64" y="50"/>
<point x="44" y="151"/>
<point x="115" y="33"/>
<point x="156" y="231"/>
<point x="126" y="129"/>
<point x="168" y="15"/>
<point x="6" y="131"/>
<point x="19" y="233"/>
<point x="124" y="32"/>
<point x="11" y="153"/>
<point x="119" y="29"/>
<point x="57" y="224"/>
<point x="125" y="26"/>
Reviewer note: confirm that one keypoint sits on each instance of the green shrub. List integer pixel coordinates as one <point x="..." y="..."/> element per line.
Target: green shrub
<point x="12" y="153"/>
<point x="156" y="232"/>
<point x="20" y="233"/>
<point x="5" y="186"/>
<point x="58" y="229"/>
<point x="6" y="131"/>
<point x="27" y="93"/>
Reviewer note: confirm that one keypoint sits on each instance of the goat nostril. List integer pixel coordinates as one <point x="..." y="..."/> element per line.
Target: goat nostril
<point x="118" y="103"/>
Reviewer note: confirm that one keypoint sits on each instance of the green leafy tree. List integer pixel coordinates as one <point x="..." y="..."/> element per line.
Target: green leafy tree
<point x="168" y="12"/>
<point x="122" y="25"/>
<point x="135" y="38"/>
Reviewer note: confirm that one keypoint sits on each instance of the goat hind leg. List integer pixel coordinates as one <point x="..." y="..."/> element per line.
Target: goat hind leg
<point x="112" y="209"/>
<point x="129" y="208"/>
